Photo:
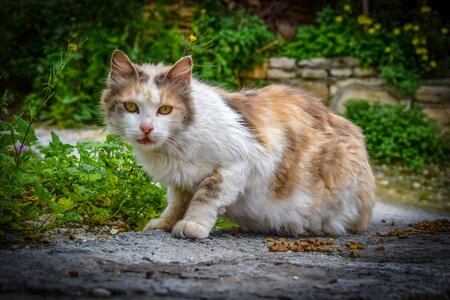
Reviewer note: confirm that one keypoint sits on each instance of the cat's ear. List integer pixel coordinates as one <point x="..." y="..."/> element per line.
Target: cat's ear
<point x="121" y="66"/>
<point x="181" y="70"/>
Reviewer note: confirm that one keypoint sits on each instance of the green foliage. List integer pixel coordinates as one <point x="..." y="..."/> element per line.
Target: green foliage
<point x="90" y="182"/>
<point x="397" y="134"/>
<point x="224" y="47"/>
<point x="403" y="52"/>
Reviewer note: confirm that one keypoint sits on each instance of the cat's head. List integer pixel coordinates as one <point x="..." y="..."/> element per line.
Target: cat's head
<point x="148" y="105"/>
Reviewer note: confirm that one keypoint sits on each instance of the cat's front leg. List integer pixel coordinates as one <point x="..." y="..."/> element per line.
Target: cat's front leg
<point x="178" y="201"/>
<point x="218" y="190"/>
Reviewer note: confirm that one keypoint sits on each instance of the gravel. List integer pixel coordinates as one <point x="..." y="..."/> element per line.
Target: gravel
<point x="233" y="265"/>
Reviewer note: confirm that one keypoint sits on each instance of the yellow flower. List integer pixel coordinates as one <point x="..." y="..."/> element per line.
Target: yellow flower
<point x="424" y="57"/>
<point x="339" y="19"/>
<point x="416" y="27"/>
<point x="387" y="49"/>
<point x="415" y="41"/>
<point x="433" y="64"/>
<point x="364" y="20"/>
<point x="347" y="7"/>
<point x="425" y="9"/>
<point x="377" y="26"/>
<point x="396" y="31"/>
<point x="444" y="30"/>
<point x="407" y="27"/>
<point x="371" y="30"/>
<point x="420" y="51"/>
<point x="73" y="47"/>
<point x="192" y="38"/>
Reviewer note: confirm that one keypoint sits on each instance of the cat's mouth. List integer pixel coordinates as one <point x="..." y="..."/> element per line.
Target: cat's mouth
<point x="145" y="141"/>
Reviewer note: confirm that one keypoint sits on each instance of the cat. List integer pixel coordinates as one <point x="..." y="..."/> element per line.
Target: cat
<point x="274" y="160"/>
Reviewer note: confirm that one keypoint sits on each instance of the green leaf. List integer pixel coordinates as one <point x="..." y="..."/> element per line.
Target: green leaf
<point x="73" y="217"/>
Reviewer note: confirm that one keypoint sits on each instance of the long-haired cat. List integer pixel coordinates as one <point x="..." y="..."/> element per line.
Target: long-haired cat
<point x="274" y="160"/>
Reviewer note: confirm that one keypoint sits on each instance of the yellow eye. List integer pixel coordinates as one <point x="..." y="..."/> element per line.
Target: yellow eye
<point x="165" y="110"/>
<point x="131" y="107"/>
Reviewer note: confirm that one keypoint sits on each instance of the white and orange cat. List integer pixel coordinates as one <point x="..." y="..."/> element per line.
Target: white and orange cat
<point x="274" y="160"/>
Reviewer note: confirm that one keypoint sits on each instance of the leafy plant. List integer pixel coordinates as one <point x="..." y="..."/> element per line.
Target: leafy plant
<point x="404" y="53"/>
<point x="395" y="134"/>
<point x="224" y="47"/>
<point x="90" y="182"/>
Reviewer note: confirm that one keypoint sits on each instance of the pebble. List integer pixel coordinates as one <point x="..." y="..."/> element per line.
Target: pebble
<point x="295" y="277"/>
<point x="114" y="231"/>
<point x="416" y="185"/>
<point x="384" y="182"/>
<point x="100" y="293"/>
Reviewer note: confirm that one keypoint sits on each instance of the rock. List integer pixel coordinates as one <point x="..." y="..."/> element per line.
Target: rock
<point x="350" y="61"/>
<point x="364" y="72"/>
<point x="333" y="89"/>
<point x="441" y="115"/>
<point x="314" y="73"/>
<point x="320" y="62"/>
<point x="433" y="94"/>
<point x="384" y="182"/>
<point x="357" y="91"/>
<point x="366" y="81"/>
<point x="317" y="88"/>
<point x="114" y="231"/>
<point x="416" y="185"/>
<point x="341" y="73"/>
<point x="279" y="74"/>
<point x="100" y="293"/>
<point x="284" y="63"/>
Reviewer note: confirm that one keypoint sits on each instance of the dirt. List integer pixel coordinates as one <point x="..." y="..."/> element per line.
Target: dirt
<point x="234" y="265"/>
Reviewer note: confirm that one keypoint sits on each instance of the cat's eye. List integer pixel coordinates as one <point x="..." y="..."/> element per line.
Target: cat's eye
<point x="165" y="110"/>
<point x="131" y="107"/>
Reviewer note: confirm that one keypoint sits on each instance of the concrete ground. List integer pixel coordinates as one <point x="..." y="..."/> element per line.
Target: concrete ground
<point x="234" y="265"/>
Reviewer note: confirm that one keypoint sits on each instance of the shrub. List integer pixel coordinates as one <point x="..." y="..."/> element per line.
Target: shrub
<point x="397" y="134"/>
<point x="403" y="51"/>
<point x="90" y="182"/>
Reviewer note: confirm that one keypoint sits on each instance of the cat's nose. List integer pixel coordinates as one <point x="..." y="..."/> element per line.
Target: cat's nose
<point x="146" y="128"/>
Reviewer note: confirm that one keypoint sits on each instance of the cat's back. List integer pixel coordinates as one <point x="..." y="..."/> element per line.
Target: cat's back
<point x="278" y="110"/>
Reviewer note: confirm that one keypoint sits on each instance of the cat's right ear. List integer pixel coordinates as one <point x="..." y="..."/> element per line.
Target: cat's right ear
<point x="121" y="66"/>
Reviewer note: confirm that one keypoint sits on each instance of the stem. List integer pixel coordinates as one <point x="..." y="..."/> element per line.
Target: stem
<point x="52" y="79"/>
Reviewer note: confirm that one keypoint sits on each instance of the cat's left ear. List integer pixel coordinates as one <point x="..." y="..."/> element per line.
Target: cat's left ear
<point x="181" y="70"/>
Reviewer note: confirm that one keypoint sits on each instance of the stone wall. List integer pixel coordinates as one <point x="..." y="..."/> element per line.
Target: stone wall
<point x="337" y="80"/>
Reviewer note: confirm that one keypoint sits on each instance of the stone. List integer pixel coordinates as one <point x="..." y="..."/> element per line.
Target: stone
<point x="314" y="73"/>
<point x="441" y="115"/>
<point x="364" y="72"/>
<point x="365" y="81"/>
<point x="279" y="74"/>
<point x="341" y="73"/>
<point x="433" y="94"/>
<point x="317" y="88"/>
<point x="350" y="61"/>
<point x="100" y="293"/>
<point x="333" y="89"/>
<point x="320" y="62"/>
<point x="284" y="63"/>
<point x="364" y="92"/>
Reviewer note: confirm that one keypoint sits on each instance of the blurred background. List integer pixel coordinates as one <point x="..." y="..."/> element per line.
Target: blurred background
<point x="384" y="64"/>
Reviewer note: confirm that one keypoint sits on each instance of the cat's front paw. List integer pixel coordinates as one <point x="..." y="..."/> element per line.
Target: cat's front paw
<point x="158" y="224"/>
<point x="190" y="229"/>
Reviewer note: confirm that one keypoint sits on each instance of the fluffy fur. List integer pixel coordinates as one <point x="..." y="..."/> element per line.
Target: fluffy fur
<point x="274" y="160"/>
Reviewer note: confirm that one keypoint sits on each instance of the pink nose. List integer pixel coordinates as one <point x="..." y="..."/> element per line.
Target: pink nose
<point x="146" y="128"/>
